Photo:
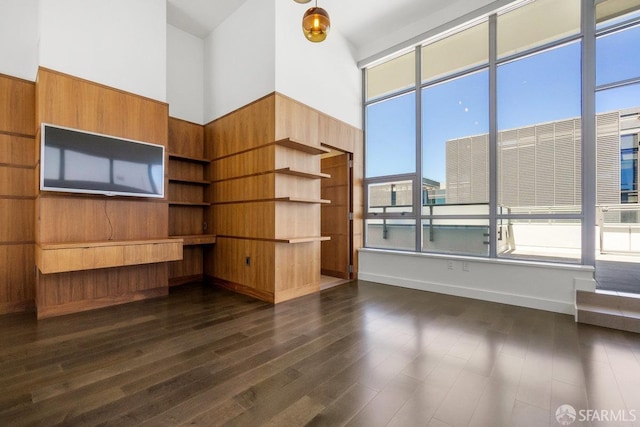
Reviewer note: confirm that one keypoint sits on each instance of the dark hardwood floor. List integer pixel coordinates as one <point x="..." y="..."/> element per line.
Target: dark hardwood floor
<point x="360" y="354"/>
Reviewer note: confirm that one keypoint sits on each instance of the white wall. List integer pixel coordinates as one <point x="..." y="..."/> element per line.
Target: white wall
<point x="19" y="38"/>
<point x="322" y="75"/>
<point x="118" y="43"/>
<point x="541" y="286"/>
<point x="185" y="75"/>
<point x="239" y="59"/>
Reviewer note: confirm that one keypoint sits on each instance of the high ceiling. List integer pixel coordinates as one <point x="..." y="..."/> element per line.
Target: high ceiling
<point x="360" y="21"/>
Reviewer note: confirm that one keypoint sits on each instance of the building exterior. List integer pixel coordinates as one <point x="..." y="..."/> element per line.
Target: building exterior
<point x="540" y="165"/>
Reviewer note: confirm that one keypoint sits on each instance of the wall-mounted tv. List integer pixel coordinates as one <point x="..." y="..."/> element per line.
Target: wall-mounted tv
<point x="83" y="162"/>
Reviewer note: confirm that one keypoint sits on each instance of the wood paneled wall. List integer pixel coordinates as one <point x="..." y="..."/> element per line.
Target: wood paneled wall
<point x="61" y="218"/>
<point x="242" y="159"/>
<point x="17" y="194"/>
<point x="251" y="255"/>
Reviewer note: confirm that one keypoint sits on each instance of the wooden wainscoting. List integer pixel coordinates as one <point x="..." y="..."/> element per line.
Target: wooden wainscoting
<point x="17" y="193"/>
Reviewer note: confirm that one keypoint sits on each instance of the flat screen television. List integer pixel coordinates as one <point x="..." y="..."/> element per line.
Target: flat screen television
<point x="83" y="162"/>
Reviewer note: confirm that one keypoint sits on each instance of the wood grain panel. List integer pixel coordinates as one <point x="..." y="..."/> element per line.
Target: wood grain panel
<point x="86" y="219"/>
<point x="17" y="221"/>
<point x="190" y="267"/>
<point x="17" y="284"/>
<point x="72" y="292"/>
<point x="186" y="170"/>
<point x="185" y="221"/>
<point x="245" y="219"/>
<point x="296" y="121"/>
<point x="288" y="157"/>
<point x="337" y="134"/>
<point x="255" y="187"/>
<point x="185" y="192"/>
<point x="296" y="187"/>
<point x="297" y="220"/>
<point x="17" y="181"/>
<point x="80" y="104"/>
<point x="59" y="258"/>
<point x="17" y="150"/>
<point x="230" y="263"/>
<point x="17" y="185"/>
<point x="250" y="162"/>
<point x="186" y="138"/>
<point x="17" y="105"/>
<point x="297" y="270"/>
<point x="248" y="127"/>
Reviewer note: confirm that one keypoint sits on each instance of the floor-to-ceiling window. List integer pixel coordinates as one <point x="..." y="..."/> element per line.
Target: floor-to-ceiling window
<point x="474" y="138"/>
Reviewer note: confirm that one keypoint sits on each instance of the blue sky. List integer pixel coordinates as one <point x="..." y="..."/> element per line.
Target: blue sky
<point x="535" y="89"/>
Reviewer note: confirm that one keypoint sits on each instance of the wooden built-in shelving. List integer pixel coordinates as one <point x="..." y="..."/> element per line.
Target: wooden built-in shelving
<point x="193" y="204"/>
<point x="302" y="174"/>
<point x="291" y="240"/>
<point x="197" y="239"/>
<point x="271" y="199"/>
<point x="306" y="148"/>
<point x="189" y="158"/>
<point x="189" y="181"/>
<point x="188" y="199"/>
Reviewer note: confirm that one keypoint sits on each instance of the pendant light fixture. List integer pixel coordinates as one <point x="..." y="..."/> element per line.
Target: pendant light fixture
<point x="315" y="23"/>
<point x="302" y="1"/>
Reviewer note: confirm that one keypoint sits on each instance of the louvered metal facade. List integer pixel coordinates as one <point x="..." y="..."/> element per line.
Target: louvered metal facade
<point x="538" y="166"/>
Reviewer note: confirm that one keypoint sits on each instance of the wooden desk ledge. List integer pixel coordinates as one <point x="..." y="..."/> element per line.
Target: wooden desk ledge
<point x="76" y="256"/>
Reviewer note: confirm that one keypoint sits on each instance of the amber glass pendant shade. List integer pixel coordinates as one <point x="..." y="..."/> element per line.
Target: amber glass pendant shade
<point x="316" y="24"/>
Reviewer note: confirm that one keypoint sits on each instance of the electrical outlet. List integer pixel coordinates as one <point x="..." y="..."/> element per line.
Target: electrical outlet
<point x="465" y="266"/>
<point x="450" y="265"/>
<point x="247" y="261"/>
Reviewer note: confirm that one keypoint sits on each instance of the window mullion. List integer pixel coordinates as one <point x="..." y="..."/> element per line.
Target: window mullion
<point x="493" y="137"/>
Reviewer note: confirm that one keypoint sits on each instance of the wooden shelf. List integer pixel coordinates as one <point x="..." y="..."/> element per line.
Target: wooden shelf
<point x="301" y="200"/>
<point x="291" y="240"/>
<point x="275" y="199"/>
<point x="177" y="156"/>
<point x="76" y="256"/>
<point x="302" y="239"/>
<point x="189" y="181"/>
<point x="197" y="239"/>
<point x="192" y="204"/>
<point x="302" y="174"/>
<point x="309" y="149"/>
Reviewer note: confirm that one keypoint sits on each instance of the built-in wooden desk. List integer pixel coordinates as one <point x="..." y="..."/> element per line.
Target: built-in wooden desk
<point x="64" y="257"/>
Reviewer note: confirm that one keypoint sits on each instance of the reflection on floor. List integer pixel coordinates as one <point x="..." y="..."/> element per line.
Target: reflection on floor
<point x="327" y="282"/>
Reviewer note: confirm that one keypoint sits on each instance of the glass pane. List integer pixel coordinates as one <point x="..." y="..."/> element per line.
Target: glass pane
<point x="391" y="197"/>
<point x="537" y="23"/>
<point x="549" y="240"/>
<point x="611" y="11"/>
<point x="391" y="234"/>
<point x="620" y="98"/>
<point x="617" y="58"/>
<point x="455" y="141"/>
<point x="539" y="138"/>
<point x="391" y="76"/>
<point x="617" y="134"/>
<point x="458" y="52"/>
<point x="456" y="236"/>
<point x="391" y="136"/>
